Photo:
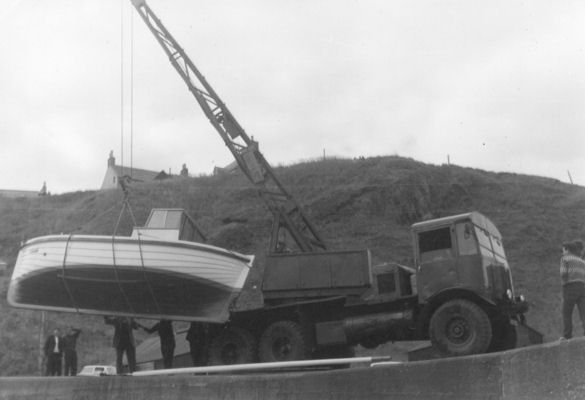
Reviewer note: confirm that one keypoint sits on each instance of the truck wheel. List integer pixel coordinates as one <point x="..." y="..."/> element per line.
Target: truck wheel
<point x="283" y="341"/>
<point x="460" y="327"/>
<point x="504" y="337"/>
<point x="233" y="345"/>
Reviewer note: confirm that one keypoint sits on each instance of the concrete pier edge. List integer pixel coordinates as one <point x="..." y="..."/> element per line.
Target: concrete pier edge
<point x="549" y="371"/>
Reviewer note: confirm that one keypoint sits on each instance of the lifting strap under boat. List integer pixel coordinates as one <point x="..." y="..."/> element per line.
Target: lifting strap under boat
<point x="126" y="205"/>
<point x="64" y="277"/>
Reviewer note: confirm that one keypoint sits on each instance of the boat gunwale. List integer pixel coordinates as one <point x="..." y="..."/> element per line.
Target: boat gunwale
<point x="247" y="259"/>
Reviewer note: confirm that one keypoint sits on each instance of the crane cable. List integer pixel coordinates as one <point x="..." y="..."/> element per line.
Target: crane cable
<point x="123" y="179"/>
<point x="122" y="89"/>
<point x="131" y="90"/>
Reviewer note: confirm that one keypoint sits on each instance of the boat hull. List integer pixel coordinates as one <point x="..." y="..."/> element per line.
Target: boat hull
<point x="125" y="276"/>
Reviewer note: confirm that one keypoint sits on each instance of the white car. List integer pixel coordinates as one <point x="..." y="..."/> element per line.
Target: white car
<point x="97" y="370"/>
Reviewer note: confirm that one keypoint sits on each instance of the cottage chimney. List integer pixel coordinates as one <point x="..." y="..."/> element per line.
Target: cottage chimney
<point x="111" y="159"/>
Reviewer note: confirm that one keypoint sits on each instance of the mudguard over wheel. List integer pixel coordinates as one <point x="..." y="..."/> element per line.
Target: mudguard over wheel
<point x="283" y="341"/>
<point x="233" y="345"/>
<point x="460" y="327"/>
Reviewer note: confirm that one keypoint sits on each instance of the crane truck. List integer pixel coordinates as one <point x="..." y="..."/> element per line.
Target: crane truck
<point x="320" y="303"/>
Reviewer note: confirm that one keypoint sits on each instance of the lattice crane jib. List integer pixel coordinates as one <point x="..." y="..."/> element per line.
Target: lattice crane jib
<point x="289" y="219"/>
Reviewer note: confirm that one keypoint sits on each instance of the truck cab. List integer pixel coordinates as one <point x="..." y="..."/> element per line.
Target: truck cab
<point x="464" y="285"/>
<point x="461" y="252"/>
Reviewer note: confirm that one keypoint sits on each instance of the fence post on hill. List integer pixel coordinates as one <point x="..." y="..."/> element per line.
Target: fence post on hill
<point x="570" y="177"/>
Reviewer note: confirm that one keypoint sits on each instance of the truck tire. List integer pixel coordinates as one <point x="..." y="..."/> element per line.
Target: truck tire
<point x="283" y="341"/>
<point x="233" y="345"/>
<point x="460" y="327"/>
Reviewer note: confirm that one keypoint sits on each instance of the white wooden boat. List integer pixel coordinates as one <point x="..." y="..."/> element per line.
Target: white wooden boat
<point x="158" y="272"/>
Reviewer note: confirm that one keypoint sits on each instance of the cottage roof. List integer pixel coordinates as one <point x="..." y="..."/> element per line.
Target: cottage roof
<point x="137" y="174"/>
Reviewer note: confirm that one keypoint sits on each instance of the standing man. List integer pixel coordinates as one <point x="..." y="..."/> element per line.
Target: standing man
<point x="197" y="337"/>
<point x="124" y="341"/>
<point x="53" y="352"/>
<point x="70" y="352"/>
<point x="573" y="282"/>
<point x="167" y="340"/>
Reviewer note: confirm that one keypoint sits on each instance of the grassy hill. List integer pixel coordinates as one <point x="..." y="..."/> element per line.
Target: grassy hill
<point x="354" y="204"/>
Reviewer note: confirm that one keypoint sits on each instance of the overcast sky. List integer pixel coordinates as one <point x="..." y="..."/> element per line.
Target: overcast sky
<point x="496" y="85"/>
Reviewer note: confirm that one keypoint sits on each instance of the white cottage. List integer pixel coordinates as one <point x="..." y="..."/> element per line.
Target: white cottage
<point x="116" y="172"/>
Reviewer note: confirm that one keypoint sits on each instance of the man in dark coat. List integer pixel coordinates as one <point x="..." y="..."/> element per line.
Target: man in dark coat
<point x="70" y="352"/>
<point x="197" y="336"/>
<point x="124" y="341"/>
<point x="53" y="353"/>
<point x="167" y="340"/>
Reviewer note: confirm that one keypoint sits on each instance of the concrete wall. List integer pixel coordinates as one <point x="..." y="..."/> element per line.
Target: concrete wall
<point x="551" y="371"/>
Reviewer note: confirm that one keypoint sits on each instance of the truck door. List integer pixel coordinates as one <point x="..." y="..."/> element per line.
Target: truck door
<point x="436" y="261"/>
<point x="469" y="265"/>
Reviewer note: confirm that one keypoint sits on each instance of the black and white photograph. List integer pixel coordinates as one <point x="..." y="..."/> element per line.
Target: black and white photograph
<point x="292" y="199"/>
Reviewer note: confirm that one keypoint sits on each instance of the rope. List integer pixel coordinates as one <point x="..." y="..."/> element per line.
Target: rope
<point x="150" y="289"/>
<point x="131" y="92"/>
<point x="125" y="203"/>
<point x="122" y="89"/>
<point x="64" y="277"/>
<point x="123" y="182"/>
<point x="122" y="85"/>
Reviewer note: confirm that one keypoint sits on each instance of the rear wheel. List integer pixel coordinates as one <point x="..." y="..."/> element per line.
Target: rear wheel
<point x="460" y="327"/>
<point x="283" y="341"/>
<point x="233" y="345"/>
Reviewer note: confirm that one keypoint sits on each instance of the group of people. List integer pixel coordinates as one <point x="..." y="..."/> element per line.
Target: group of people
<point x="573" y="283"/>
<point x="124" y="342"/>
<point x="58" y="348"/>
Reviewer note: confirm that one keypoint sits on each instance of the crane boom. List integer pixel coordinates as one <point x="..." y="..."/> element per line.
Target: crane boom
<point x="288" y="215"/>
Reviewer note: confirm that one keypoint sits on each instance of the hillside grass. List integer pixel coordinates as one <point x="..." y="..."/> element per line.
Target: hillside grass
<point x="354" y="204"/>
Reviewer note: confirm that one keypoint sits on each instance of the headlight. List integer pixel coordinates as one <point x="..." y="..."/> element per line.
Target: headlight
<point x="509" y="294"/>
